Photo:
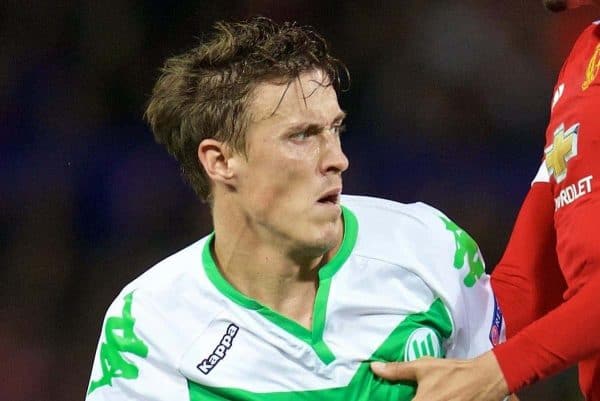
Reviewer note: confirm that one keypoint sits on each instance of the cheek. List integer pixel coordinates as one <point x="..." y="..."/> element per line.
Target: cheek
<point x="306" y="154"/>
<point x="279" y="176"/>
<point x="280" y="184"/>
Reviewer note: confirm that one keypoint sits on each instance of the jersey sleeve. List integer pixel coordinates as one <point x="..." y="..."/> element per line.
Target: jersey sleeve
<point x="460" y="281"/>
<point x="565" y="335"/>
<point x="527" y="281"/>
<point x="132" y="360"/>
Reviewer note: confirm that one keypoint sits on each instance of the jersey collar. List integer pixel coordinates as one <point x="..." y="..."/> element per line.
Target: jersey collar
<point x="312" y="337"/>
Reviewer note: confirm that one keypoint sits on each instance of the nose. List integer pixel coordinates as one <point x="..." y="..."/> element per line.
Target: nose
<point x="333" y="159"/>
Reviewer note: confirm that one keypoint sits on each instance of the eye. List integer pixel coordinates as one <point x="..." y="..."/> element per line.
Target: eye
<point x="300" y="136"/>
<point x="339" y="128"/>
<point x="304" y="135"/>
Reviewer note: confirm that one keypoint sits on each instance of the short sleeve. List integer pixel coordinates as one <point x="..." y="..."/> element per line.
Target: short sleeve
<point x="465" y="288"/>
<point x="133" y="360"/>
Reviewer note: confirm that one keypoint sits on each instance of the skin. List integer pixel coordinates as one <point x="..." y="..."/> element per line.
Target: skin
<point x="478" y="379"/>
<point x="273" y="226"/>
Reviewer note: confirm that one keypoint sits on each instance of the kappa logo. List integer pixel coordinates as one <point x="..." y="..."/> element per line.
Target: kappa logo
<point x="422" y="342"/>
<point x="562" y="149"/>
<point x="220" y="350"/>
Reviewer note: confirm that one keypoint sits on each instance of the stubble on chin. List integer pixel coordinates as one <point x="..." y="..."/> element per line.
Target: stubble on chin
<point x="555" y="5"/>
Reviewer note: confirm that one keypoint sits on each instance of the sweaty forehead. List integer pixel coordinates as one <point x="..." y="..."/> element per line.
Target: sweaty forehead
<point x="309" y="95"/>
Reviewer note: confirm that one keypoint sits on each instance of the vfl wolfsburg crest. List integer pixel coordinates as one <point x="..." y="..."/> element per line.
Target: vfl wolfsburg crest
<point x="422" y="342"/>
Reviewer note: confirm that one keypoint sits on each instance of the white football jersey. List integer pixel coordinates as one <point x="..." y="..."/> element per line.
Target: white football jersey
<point x="405" y="283"/>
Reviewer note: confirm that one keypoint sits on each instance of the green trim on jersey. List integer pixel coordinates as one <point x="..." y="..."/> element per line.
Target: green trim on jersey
<point x="364" y="386"/>
<point x="313" y="338"/>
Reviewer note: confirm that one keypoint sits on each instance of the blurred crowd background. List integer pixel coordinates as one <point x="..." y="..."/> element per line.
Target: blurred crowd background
<point x="448" y="105"/>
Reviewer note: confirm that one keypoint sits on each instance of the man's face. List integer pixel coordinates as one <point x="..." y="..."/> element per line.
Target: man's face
<point x="288" y="186"/>
<point x="561" y="5"/>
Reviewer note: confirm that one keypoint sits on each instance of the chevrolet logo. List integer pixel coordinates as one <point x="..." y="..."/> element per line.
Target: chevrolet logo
<point x="563" y="149"/>
<point x="592" y="69"/>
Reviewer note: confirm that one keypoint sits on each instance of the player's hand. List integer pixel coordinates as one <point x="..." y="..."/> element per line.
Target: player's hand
<point x="478" y="379"/>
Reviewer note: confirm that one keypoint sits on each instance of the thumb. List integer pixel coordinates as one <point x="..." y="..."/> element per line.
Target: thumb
<point x="395" y="371"/>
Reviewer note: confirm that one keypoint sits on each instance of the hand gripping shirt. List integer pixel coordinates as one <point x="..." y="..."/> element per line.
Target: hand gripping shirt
<point x="406" y="282"/>
<point x="555" y="246"/>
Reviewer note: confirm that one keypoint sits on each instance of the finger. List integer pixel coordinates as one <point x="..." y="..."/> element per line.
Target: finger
<point x="395" y="371"/>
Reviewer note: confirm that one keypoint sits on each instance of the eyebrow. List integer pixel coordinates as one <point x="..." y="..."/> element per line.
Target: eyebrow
<point x="314" y="126"/>
<point x="341" y="115"/>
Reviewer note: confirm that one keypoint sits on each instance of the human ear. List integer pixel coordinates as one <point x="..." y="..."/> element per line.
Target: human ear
<point x="215" y="157"/>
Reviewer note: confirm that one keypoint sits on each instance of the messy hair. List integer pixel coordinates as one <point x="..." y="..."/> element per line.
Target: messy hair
<point x="204" y="92"/>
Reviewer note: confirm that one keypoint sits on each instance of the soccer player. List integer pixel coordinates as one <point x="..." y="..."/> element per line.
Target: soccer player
<point x="298" y="288"/>
<point x="554" y="249"/>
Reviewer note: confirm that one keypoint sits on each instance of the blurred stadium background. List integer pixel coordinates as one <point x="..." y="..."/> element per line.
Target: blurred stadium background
<point x="448" y="105"/>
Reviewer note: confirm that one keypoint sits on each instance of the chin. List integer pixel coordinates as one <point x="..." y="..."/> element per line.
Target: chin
<point x="330" y="237"/>
<point x="317" y="233"/>
<point x="322" y="240"/>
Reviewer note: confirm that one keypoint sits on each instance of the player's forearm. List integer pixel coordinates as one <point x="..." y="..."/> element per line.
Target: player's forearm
<point x="527" y="281"/>
<point x="554" y="342"/>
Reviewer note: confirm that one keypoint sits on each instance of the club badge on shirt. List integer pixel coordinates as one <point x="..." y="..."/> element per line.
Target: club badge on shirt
<point x="592" y="70"/>
<point x="422" y="342"/>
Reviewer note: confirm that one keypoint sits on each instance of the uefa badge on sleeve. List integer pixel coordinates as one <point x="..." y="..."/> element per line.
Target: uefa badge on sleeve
<point x="496" y="327"/>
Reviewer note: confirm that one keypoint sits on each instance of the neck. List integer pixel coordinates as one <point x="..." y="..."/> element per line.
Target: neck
<point x="266" y="268"/>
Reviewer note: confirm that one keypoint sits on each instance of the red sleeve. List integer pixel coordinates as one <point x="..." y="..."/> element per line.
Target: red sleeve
<point x="528" y="282"/>
<point x="561" y="338"/>
<point x="567" y="334"/>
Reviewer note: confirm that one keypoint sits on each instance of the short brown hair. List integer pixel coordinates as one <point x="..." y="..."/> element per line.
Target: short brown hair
<point x="203" y="92"/>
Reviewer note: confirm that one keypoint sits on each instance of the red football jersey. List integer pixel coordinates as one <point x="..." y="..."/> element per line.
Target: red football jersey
<point x="554" y="249"/>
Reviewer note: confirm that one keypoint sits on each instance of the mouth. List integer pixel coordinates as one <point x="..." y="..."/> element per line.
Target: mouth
<point x="331" y="197"/>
